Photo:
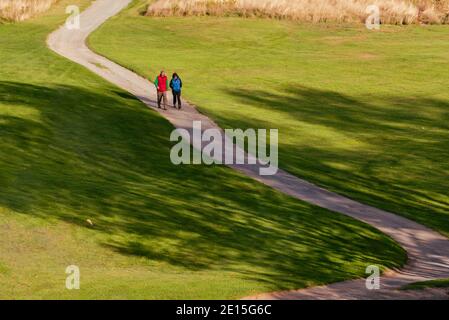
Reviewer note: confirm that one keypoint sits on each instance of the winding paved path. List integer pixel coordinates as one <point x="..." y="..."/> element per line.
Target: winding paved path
<point x="428" y="251"/>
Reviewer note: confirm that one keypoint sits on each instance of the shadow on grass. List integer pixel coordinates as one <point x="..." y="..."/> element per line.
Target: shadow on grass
<point x="72" y="154"/>
<point x="392" y="154"/>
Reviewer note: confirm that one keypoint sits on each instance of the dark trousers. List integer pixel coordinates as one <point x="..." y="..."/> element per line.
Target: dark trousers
<point x="176" y="98"/>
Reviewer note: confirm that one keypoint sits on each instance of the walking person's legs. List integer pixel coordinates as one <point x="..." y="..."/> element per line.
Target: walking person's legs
<point x="178" y="94"/>
<point x="164" y="98"/>
<point x="174" y="99"/>
<point x="159" y="99"/>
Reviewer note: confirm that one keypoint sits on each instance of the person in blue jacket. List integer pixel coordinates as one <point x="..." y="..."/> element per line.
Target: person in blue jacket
<point x="176" y="86"/>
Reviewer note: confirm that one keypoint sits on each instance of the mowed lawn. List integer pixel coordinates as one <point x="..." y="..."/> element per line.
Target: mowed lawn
<point x="363" y="113"/>
<point x="74" y="147"/>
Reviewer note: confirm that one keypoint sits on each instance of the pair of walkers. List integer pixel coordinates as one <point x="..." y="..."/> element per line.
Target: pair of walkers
<point x="162" y="86"/>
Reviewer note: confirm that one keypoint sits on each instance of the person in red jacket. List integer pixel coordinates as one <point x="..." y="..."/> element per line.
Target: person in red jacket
<point x="161" y="84"/>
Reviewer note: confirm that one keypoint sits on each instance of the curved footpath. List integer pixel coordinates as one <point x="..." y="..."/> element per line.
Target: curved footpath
<point x="428" y="251"/>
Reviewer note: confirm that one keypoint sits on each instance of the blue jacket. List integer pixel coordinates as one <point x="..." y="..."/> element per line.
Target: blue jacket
<point x="176" y="84"/>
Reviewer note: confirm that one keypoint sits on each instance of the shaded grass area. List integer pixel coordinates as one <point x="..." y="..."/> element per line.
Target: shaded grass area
<point x="362" y="113"/>
<point x="75" y="148"/>
<point x="440" y="283"/>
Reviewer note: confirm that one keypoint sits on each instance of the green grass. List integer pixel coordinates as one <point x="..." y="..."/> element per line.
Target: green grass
<point x="75" y="147"/>
<point x="365" y="114"/>
<point x="440" y="283"/>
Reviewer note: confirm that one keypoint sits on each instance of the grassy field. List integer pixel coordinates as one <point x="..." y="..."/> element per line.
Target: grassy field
<point x="440" y="283"/>
<point x="75" y="148"/>
<point x="365" y="114"/>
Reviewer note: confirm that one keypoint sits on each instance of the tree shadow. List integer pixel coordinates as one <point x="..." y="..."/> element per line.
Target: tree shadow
<point x="72" y="154"/>
<point x="392" y="151"/>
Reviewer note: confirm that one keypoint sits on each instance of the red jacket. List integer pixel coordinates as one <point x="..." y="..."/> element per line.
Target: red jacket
<point x="161" y="83"/>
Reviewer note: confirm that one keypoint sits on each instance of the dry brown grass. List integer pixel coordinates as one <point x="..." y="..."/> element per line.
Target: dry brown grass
<point x="391" y="11"/>
<point x="19" y="10"/>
